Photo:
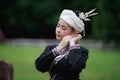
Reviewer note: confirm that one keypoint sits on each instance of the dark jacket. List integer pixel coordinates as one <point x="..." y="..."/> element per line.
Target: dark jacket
<point x="67" y="68"/>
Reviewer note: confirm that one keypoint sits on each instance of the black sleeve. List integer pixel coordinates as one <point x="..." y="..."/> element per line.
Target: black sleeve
<point x="43" y="62"/>
<point x="77" y="59"/>
<point x="75" y="62"/>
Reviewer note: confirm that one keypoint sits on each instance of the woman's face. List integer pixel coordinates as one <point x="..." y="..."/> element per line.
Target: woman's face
<point x="63" y="29"/>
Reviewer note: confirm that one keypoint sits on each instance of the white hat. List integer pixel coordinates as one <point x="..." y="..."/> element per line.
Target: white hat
<point x="74" y="21"/>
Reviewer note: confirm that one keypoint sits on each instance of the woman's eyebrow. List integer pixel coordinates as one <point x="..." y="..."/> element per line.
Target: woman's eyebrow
<point x="63" y="26"/>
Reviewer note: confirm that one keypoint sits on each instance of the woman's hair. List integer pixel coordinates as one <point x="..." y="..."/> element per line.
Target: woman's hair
<point x="77" y="12"/>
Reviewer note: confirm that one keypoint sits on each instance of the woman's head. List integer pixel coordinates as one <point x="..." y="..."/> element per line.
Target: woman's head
<point x="71" y="22"/>
<point x="67" y="25"/>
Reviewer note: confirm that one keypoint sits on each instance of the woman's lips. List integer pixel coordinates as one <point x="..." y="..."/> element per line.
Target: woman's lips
<point x="58" y="35"/>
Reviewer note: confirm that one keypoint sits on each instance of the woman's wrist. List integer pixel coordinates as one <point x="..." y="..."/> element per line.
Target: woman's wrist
<point x="58" y="48"/>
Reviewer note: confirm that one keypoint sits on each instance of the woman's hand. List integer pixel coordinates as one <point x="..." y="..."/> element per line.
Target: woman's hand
<point x="64" y="43"/>
<point x="75" y="39"/>
<point x="68" y="41"/>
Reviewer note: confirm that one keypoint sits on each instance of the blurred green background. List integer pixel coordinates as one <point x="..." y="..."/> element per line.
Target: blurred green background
<point x="37" y="19"/>
<point x="101" y="65"/>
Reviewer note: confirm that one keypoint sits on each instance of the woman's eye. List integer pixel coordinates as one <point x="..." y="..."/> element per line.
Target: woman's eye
<point x="63" y="28"/>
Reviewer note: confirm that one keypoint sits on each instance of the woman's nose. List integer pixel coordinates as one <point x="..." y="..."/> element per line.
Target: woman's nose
<point x="58" y="29"/>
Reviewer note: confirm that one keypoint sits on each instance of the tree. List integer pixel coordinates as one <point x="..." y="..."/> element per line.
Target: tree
<point x="106" y="24"/>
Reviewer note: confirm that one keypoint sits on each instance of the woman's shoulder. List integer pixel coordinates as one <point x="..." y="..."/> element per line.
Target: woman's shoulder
<point x="83" y="48"/>
<point x="51" y="46"/>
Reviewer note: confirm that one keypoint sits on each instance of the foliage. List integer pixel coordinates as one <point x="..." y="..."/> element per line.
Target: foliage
<point x="30" y="16"/>
<point x="106" y="24"/>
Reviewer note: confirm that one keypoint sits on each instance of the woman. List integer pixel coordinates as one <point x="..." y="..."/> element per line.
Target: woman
<point x="66" y="60"/>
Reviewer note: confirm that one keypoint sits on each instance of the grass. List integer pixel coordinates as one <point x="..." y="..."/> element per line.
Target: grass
<point x="101" y="65"/>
